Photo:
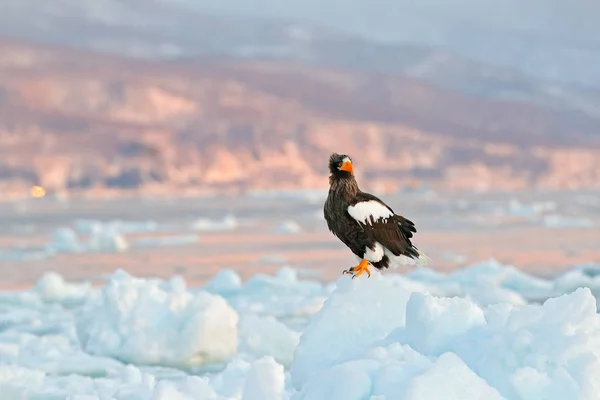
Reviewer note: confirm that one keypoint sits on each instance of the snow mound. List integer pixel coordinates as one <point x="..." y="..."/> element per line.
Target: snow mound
<point x="262" y="379"/>
<point x="107" y="239"/>
<point x="283" y="296"/>
<point x="149" y="321"/>
<point x="287" y="226"/>
<point x="87" y="226"/>
<point x="65" y="240"/>
<point x="561" y="221"/>
<point x="228" y="223"/>
<point x="266" y="336"/>
<point x="265" y="381"/>
<point x="375" y="339"/>
<point x="227" y="281"/>
<point x="51" y="287"/>
<point x="488" y="331"/>
<point x="101" y="239"/>
<point x="164" y="241"/>
<point x="358" y="312"/>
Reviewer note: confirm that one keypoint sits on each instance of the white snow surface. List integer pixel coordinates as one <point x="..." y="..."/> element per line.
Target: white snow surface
<point x="487" y="331"/>
<point x="228" y="223"/>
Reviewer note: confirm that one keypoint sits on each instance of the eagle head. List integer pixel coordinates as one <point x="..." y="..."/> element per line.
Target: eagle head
<point x="340" y="165"/>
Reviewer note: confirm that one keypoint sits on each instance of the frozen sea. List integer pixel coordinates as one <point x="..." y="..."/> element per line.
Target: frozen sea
<point x="94" y="309"/>
<point x="488" y="331"/>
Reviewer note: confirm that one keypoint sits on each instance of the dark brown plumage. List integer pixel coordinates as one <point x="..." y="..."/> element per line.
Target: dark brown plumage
<point x="365" y="224"/>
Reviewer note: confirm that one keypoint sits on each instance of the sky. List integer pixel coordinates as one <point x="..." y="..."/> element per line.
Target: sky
<point x="555" y="40"/>
<point x="401" y="19"/>
<point x="550" y="39"/>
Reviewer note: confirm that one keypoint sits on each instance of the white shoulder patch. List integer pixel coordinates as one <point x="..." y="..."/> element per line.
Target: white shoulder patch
<point x="364" y="210"/>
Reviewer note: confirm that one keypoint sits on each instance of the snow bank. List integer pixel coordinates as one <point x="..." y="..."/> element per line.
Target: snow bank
<point x="561" y="221"/>
<point x="52" y="287"/>
<point x="148" y="321"/>
<point x="101" y="239"/>
<point x="287" y="226"/>
<point x="358" y="312"/>
<point x="164" y="241"/>
<point x="107" y="239"/>
<point x="472" y="334"/>
<point x="283" y="295"/>
<point x="228" y="223"/>
<point x="266" y="336"/>
<point x="262" y="379"/>
<point x="88" y="226"/>
<point x="265" y="381"/>
<point x="374" y="339"/>
<point x="65" y="240"/>
<point x="137" y="338"/>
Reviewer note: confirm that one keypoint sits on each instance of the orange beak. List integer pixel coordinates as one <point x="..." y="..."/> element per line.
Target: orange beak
<point x="347" y="166"/>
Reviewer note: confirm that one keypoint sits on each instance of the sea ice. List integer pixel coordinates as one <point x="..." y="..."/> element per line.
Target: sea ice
<point x="266" y="336"/>
<point x="148" y="321"/>
<point x="471" y="334"/>
<point x="371" y="340"/>
<point x="228" y="223"/>
<point x="287" y="226"/>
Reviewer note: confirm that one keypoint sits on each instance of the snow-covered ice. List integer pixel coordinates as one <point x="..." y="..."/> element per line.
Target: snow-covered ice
<point x="417" y="346"/>
<point x="487" y="331"/>
<point x="88" y="226"/>
<point x="228" y="223"/>
<point x="163" y="241"/>
<point x="139" y="321"/>
<point x="287" y="226"/>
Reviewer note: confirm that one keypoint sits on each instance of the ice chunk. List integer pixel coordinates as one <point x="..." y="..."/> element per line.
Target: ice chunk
<point x="228" y="223"/>
<point x="149" y="321"/>
<point x="347" y="381"/>
<point x="106" y="239"/>
<point x="65" y="240"/>
<point x="358" y="313"/>
<point x="450" y="379"/>
<point x="487" y="282"/>
<point x="262" y="336"/>
<point x="561" y="221"/>
<point x="230" y="382"/>
<point x="432" y="323"/>
<point x="88" y="226"/>
<point x="227" y="281"/>
<point x="446" y="347"/>
<point x="287" y="226"/>
<point x="282" y="296"/>
<point x="51" y="287"/>
<point x="165" y="241"/>
<point x="265" y="380"/>
<point x="16" y="383"/>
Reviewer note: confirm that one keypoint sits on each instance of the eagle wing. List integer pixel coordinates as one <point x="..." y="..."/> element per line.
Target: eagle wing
<point x="379" y="221"/>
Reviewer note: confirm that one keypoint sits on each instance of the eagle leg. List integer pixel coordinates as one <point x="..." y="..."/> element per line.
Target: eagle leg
<point x="359" y="269"/>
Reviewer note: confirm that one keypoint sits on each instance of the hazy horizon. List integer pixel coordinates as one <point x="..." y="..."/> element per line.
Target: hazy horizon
<point x="552" y="40"/>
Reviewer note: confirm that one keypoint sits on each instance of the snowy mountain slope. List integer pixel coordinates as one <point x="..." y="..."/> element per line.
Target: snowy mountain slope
<point x="555" y="40"/>
<point x="426" y="48"/>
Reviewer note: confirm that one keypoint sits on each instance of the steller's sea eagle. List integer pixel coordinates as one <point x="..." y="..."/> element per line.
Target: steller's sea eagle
<point x="364" y="223"/>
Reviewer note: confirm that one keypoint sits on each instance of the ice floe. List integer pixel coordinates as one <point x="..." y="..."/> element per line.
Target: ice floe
<point x="488" y="331"/>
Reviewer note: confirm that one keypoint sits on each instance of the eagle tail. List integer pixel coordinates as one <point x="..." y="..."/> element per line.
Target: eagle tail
<point x="411" y="256"/>
<point x="422" y="259"/>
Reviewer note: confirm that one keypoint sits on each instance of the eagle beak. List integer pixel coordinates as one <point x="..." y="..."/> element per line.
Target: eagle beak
<point x="347" y="166"/>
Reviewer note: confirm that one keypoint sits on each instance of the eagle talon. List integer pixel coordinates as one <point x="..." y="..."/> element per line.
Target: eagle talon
<point x="368" y="274"/>
<point x="359" y="269"/>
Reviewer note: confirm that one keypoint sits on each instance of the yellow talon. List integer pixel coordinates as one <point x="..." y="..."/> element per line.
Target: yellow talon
<point x="359" y="269"/>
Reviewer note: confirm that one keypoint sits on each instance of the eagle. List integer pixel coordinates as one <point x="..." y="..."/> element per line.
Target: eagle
<point x="365" y="224"/>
